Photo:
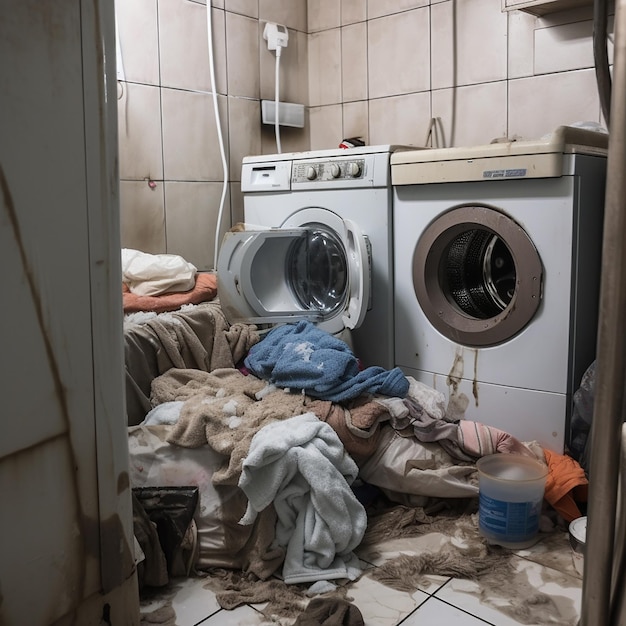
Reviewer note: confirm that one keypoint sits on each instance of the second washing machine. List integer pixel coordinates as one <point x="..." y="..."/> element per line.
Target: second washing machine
<point x="317" y="246"/>
<point x="497" y="254"/>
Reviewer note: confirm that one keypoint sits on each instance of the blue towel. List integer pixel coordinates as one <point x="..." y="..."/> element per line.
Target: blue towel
<point x="303" y="357"/>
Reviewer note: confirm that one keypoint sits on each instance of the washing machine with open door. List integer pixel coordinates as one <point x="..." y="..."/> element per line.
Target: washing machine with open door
<point x="317" y="246"/>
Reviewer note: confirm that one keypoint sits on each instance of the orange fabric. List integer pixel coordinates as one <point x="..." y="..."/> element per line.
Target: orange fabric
<point x="566" y="484"/>
<point x="205" y="289"/>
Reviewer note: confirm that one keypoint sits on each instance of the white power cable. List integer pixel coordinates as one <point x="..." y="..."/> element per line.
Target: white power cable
<point x="277" y="37"/>
<point x="277" y="100"/>
<point x="218" y="125"/>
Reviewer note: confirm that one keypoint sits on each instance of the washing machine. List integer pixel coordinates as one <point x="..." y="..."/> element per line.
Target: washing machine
<point x="316" y="246"/>
<point x="497" y="253"/>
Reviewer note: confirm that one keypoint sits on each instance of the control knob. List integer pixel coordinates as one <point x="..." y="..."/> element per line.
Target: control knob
<point x="353" y="169"/>
<point x="311" y="172"/>
<point x="335" y="170"/>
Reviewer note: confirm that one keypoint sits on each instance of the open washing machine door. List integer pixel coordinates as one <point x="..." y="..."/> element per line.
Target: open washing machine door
<point x="477" y="275"/>
<point x="317" y="270"/>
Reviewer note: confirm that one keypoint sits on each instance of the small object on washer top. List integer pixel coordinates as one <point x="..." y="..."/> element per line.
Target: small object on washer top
<point x="353" y="142"/>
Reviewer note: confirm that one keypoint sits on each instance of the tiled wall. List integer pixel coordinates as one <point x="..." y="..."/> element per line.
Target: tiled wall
<point x="170" y="160"/>
<point x="378" y="69"/>
<point x="381" y="69"/>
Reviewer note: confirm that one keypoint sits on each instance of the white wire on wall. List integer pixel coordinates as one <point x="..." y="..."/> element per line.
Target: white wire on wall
<point x="218" y="125"/>
<point x="277" y="100"/>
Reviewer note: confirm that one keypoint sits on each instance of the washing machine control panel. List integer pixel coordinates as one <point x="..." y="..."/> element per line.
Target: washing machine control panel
<point x="330" y="170"/>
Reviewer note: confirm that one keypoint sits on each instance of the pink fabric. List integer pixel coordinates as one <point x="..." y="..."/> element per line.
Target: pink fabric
<point x="204" y="290"/>
<point x="480" y="440"/>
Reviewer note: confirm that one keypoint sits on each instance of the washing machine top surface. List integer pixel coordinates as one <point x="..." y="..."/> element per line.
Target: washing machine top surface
<point x="543" y="158"/>
<point x="327" y="153"/>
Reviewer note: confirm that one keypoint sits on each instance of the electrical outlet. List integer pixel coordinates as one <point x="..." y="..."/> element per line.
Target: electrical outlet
<point x="276" y="35"/>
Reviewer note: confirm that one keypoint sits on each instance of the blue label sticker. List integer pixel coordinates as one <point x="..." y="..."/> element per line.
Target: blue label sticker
<point x="509" y="521"/>
<point x="511" y="173"/>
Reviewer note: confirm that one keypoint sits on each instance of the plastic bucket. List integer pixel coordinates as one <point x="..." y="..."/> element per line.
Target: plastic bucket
<point x="510" y="489"/>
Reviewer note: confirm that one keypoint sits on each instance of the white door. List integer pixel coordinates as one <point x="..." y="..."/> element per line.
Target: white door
<point x="67" y="535"/>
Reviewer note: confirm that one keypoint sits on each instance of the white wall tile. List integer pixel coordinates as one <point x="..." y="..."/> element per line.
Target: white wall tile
<point x="472" y="115"/>
<point x="399" y="53"/>
<point x="356" y="120"/>
<point x="353" y="11"/>
<point x="184" y="46"/>
<point x="139" y="130"/>
<point x="242" y="36"/>
<point x="323" y="14"/>
<point x="325" y="67"/>
<point x="400" y="119"/>
<point x="539" y="104"/>
<point x="326" y="127"/>
<point x="521" y="44"/>
<point x="244" y="7"/>
<point x="469" y="42"/>
<point x="380" y="8"/>
<point x="291" y="139"/>
<point x="139" y="54"/>
<point x="354" y="62"/>
<point x="244" y="122"/>
<point x="236" y="203"/>
<point x="190" y="141"/>
<point x="289" y="13"/>
<point x="192" y="212"/>
<point x="565" y="47"/>
<point x="142" y="216"/>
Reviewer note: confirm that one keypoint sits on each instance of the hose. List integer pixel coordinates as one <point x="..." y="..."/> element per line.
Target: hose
<point x="218" y="125"/>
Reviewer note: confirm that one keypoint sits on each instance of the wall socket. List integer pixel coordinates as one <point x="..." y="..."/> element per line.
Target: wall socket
<point x="289" y="114"/>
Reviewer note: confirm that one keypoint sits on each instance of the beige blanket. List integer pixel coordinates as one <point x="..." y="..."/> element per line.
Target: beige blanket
<point x="196" y="337"/>
<point x="221" y="408"/>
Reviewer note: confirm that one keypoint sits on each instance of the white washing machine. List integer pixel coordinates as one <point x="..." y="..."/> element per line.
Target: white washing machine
<point x="317" y="246"/>
<point x="497" y="254"/>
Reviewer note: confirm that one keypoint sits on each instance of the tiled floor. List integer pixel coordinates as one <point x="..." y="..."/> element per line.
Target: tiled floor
<point x="542" y="587"/>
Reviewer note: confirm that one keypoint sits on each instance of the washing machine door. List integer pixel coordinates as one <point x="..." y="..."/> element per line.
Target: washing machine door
<point x="314" y="272"/>
<point x="477" y="275"/>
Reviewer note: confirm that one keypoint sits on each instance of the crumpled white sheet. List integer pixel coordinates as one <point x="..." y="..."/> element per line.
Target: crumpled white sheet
<point x="154" y="274"/>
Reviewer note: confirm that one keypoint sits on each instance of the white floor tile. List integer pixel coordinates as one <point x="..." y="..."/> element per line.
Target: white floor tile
<point x="531" y="595"/>
<point x="382" y="552"/>
<point x="241" y="616"/>
<point x="553" y="551"/>
<point x="434" y="612"/>
<point x="381" y="605"/>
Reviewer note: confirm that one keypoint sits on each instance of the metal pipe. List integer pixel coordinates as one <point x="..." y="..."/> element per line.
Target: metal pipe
<point x="618" y="597"/>
<point x="608" y="415"/>
<point x="601" y="56"/>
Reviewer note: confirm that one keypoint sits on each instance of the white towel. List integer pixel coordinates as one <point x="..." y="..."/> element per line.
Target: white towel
<point x="301" y="466"/>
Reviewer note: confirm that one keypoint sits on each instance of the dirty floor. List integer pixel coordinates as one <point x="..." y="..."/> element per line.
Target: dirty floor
<point x="539" y="586"/>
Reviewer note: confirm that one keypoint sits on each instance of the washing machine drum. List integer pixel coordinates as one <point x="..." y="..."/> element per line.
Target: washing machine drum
<point x="317" y="272"/>
<point x="477" y="275"/>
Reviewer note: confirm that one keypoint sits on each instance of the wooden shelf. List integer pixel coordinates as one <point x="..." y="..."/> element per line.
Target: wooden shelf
<point x="544" y="7"/>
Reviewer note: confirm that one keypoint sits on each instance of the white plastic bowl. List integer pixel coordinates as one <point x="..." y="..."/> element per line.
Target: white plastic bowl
<point x="577" y="540"/>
